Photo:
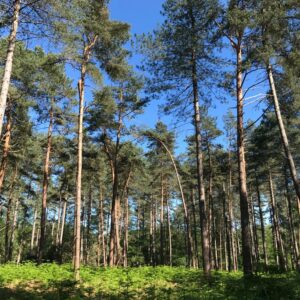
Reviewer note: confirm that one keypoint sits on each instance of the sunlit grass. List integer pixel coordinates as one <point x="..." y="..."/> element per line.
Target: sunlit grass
<point x="51" y="281"/>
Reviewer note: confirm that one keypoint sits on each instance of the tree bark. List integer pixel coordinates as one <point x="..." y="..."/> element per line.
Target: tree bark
<point x="200" y="181"/>
<point x="169" y="234"/>
<point x="9" y="60"/>
<point x="8" y="215"/>
<point x="162" y="259"/>
<point x="6" y="146"/>
<point x="291" y="224"/>
<point x="262" y="224"/>
<point x="45" y="187"/>
<point x="245" y="221"/>
<point x="126" y="225"/>
<point x="62" y="228"/>
<point x="284" y="137"/>
<point x="227" y="233"/>
<point x="33" y="229"/>
<point x="13" y="230"/>
<point x="278" y="241"/>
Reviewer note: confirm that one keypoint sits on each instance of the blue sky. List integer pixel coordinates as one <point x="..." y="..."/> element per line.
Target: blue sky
<point x="144" y="16"/>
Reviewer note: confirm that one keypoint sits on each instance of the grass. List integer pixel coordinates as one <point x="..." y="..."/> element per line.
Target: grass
<point x="51" y="281"/>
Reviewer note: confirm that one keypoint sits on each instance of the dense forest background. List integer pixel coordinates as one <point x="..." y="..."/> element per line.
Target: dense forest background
<point x="81" y="181"/>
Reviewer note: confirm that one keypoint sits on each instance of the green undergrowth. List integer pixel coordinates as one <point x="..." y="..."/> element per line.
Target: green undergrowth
<point x="51" y="281"/>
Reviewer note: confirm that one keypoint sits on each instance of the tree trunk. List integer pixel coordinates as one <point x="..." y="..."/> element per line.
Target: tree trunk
<point x="200" y="181"/>
<point x="162" y="260"/>
<point x="8" y="213"/>
<point x="126" y="225"/>
<point x="101" y="236"/>
<point x="245" y="221"/>
<point x="62" y="227"/>
<point x="88" y="226"/>
<point x="227" y="233"/>
<point x="262" y="224"/>
<point x="45" y="187"/>
<point x="283" y="135"/>
<point x="291" y="224"/>
<point x="6" y="146"/>
<point x="13" y="230"/>
<point x="195" y="226"/>
<point x="169" y="234"/>
<point x="33" y="229"/>
<point x="230" y="213"/>
<point x="9" y="61"/>
<point x="58" y="221"/>
<point x="77" y="225"/>
<point x="278" y="241"/>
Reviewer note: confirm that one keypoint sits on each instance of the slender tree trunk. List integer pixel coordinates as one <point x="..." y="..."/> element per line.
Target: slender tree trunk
<point x="126" y="225"/>
<point x="291" y="224"/>
<point x="282" y="263"/>
<point x="6" y="146"/>
<point x="151" y="234"/>
<point x="45" y="187"/>
<point x="62" y="228"/>
<point x="77" y="224"/>
<point x="262" y="224"/>
<point x="169" y="234"/>
<point x="9" y="60"/>
<point x="33" y="229"/>
<point x="88" y="226"/>
<point x="101" y="236"/>
<point x="13" y="230"/>
<point x="8" y="214"/>
<point x="201" y="189"/>
<point x="245" y="220"/>
<point x="195" y="225"/>
<point x="284" y="137"/>
<point x="254" y="231"/>
<point x="230" y="213"/>
<point x="162" y="248"/>
<point x="58" y="221"/>
<point x="227" y="233"/>
<point x="211" y="229"/>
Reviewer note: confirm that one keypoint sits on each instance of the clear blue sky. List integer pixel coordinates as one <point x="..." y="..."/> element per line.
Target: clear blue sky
<point x="144" y="16"/>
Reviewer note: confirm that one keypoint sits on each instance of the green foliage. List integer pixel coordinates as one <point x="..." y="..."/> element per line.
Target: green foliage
<point x="51" y="281"/>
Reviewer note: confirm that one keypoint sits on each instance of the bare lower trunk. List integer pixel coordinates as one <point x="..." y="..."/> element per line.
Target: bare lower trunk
<point x="62" y="227"/>
<point x="278" y="241"/>
<point x="101" y="235"/>
<point x="245" y="220"/>
<point x="8" y="214"/>
<point x="77" y="225"/>
<point x="88" y="227"/>
<point x="6" y="146"/>
<point x="227" y="233"/>
<point x="9" y="61"/>
<point x="126" y="224"/>
<point x="33" y="229"/>
<point x="230" y="214"/>
<point x="45" y="188"/>
<point x="169" y="234"/>
<point x="13" y="231"/>
<point x="295" y="250"/>
<point x="195" y="226"/>
<point x="201" y="189"/>
<point x="262" y="224"/>
<point x="162" y="248"/>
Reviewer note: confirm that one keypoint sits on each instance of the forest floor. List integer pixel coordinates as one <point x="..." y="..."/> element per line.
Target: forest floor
<point x="50" y="281"/>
